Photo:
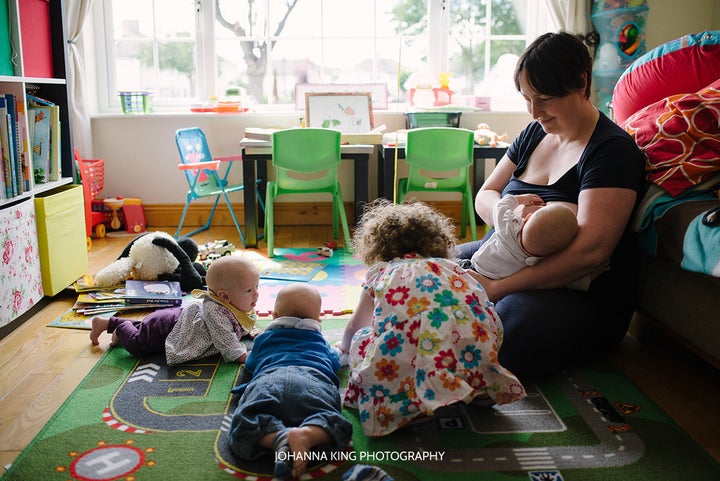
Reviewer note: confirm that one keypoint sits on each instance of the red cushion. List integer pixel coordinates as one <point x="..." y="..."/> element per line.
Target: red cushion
<point x="680" y="136"/>
<point x="684" y="65"/>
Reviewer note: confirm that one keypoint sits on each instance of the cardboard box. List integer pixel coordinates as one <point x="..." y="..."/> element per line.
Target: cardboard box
<point x="62" y="242"/>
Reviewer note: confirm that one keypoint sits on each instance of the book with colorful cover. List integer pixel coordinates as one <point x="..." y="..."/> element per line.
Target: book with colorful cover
<point x="7" y="154"/>
<point x="28" y="178"/>
<point x="14" y="140"/>
<point x="39" y="124"/>
<point x="50" y="158"/>
<point x="153" y="292"/>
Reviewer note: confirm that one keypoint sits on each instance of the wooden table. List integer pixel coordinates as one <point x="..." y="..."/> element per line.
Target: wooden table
<point x="256" y="153"/>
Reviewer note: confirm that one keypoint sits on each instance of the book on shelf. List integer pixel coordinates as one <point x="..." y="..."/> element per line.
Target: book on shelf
<point x="36" y="38"/>
<point x="7" y="155"/>
<point x="28" y="179"/>
<point x="7" y="50"/>
<point x="39" y="126"/>
<point x="46" y="138"/>
<point x="153" y="292"/>
<point x="10" y="104"/>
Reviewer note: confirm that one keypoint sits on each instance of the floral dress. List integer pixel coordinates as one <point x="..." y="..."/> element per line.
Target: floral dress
<point x="434" y="341"/>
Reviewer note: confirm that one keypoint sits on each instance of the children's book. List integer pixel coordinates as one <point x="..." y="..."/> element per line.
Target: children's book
<point x="153" y="292"/>
<point x="7" y="157"/>
<point x="39" y="124"/>
<point x="14" y="139"/>
<point x="50" y="132"/>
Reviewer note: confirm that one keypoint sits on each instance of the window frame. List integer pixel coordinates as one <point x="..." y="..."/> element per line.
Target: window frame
<point x="538" y="21"/>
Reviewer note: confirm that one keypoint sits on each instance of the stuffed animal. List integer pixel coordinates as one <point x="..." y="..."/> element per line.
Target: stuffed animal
<point x="156" y="256"/>
<point x="485" y="136"/>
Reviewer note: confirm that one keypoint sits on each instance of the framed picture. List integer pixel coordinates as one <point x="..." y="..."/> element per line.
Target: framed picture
<point x="378" y="92"/>
<point x="348" y="112"/>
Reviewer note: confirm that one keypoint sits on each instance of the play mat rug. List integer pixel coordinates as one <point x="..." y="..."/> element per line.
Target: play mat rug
<point x="338" y="278"/>
<point x="141" y="420"/>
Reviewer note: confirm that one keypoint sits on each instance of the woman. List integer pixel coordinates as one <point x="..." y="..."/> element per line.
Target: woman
<point x="574" y="154"/>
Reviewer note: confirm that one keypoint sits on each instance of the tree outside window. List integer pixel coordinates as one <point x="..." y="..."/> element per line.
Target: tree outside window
<point x="188" y="50"/>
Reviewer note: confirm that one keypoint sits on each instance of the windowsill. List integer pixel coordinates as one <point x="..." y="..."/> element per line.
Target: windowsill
<point x="296" y="114"/>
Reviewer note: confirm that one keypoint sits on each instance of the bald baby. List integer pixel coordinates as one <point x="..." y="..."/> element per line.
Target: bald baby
<point x="298" y="300"/>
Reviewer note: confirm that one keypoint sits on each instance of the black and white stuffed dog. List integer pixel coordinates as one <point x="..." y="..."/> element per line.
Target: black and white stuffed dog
<point x="156" y="256"/>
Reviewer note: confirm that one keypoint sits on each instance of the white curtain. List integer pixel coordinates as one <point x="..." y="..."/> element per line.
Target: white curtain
<point x="571" y="15"/>
<point x="77" y="13"/>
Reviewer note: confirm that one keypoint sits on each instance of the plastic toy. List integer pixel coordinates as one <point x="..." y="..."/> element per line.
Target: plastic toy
<point x="219" y="247"/>
<point x="114" y="204"/>
<point x="92" y="176"/>
<point x="621" y="25"/>
<point x="485" y="136"/>
<point x="325" y="251"/>
<point x="134" y="216"/>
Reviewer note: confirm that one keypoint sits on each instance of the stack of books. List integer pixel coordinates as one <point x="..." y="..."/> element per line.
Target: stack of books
<point x="134" y="295"/>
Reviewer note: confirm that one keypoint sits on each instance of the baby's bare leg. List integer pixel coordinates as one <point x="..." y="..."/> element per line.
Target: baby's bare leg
<point x="99" y="325"/>
<point x="301" y="440"/>
<point x="297" y="441"/>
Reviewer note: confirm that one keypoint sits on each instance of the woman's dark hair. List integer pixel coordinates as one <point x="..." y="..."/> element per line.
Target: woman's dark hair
<point x="556" y="64"/>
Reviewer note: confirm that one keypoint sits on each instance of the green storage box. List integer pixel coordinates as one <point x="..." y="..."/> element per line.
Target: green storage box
<point x="432" y="119"/>
<point x="62" y="243"/>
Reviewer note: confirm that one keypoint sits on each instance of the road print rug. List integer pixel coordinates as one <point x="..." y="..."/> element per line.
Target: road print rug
<point x="142" y="420"/>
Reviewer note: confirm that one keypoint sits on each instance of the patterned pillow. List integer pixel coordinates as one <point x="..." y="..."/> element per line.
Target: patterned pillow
<point x="680" y="136"/>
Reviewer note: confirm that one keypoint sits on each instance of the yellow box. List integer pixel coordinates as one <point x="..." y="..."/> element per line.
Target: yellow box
<point x="60" y="216"/>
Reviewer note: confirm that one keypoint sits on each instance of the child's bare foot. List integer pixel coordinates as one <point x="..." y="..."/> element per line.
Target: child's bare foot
<point x="99" y="325"/>
<point x="301" y="440"/>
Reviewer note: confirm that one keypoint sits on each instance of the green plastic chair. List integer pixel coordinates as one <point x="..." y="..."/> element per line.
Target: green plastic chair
<point x="201" y="171"/>
<point x="306" y="161"/>
<point x="439" y="160"/>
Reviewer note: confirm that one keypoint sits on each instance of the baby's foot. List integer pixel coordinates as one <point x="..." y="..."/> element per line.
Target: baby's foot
<point x="283" y="459"/>
<point x="342" y="356"/>
<point x="99" y="325"/>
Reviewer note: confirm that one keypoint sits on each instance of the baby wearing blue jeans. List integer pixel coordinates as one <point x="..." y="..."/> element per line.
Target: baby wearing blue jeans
<point x="291" y="402"/>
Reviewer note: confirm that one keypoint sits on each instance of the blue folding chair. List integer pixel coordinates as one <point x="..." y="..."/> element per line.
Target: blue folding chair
<point x="201" y="171"/>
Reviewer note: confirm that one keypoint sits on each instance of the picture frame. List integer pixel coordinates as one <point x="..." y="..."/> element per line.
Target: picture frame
<point x="378" y="92"/>
<point x="348" y="112"/>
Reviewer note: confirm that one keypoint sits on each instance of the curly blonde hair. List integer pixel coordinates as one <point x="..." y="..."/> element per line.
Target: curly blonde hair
<point x="389" y="230"/>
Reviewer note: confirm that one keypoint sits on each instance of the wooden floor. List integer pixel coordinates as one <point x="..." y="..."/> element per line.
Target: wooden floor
<point x="40" y="366"/>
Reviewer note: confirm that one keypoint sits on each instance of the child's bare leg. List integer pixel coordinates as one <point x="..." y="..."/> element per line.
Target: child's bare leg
<point x="301" y="440"/>
<point x="99" y="325"/>
<point x="297" y="441"/>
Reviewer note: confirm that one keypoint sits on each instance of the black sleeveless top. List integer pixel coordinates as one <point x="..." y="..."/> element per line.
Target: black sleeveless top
<point x="611" y="159"/>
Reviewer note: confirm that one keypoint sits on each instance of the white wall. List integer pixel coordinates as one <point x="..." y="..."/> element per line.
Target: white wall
<point x="141" y="157"/>
<point x="670" y="19"/>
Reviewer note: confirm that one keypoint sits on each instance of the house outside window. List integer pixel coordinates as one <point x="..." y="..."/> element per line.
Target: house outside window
<point x="189" y="51"/>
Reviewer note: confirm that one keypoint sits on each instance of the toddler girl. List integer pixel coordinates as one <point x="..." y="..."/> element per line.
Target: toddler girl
<point x="423" y="335"/>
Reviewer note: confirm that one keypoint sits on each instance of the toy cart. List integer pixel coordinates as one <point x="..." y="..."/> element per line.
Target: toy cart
<point x="92" y="175"/>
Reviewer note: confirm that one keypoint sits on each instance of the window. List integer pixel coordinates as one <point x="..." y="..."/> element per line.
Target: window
<point x="186" y="51"/>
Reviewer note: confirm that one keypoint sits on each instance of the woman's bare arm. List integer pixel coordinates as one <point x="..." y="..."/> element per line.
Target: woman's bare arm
<point x="603" y="214"/>
<point x="490" y="192"/>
